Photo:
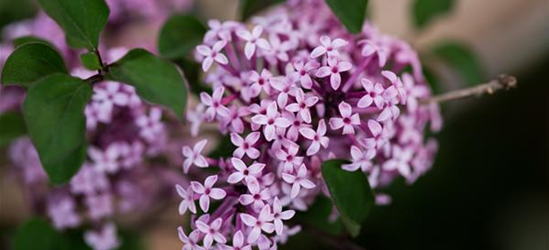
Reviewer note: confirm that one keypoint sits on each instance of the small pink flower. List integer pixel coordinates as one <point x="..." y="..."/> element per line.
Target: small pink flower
<point x="333" y="69"/>
<point x="397" y="84"/>
<point x="190" y="242"/>
<point x="256" y="196"/>
<point x="373" y="94"/>
<point x="391" y="111"/>
<point x="303" y="70"/>
<point x="234" y="121"/>
<point x="194" y="156"/>
<point x="370" y="48"/>
<point x="296" y="124"/>
<point x="150" y="125"/>
<point x="238" y="242"/>
<point x="400" y="161"/>
<point x="280" y="215"/>
<point x="207" y="191"/>
<point x="214" y="103"/>
<point x="361" y="160"/>
<point x="289" y="158"/>
<point x="188" y="200"/>
<point x="106" y="161"/>
<point x="298" y="181"/>
<point x="106" y="239"/>
<point x="212" y="54"/>
<point x="260" y="223"/>
<point x="285" y="85"/>
<point x="89" y="180"/>
<point x="347" y="120"/>
<point x="302" y="105"/>
<point x="379" y="137"/>
<point x="327" y="46"/>
<point x="246" y="146"/>
<point x="110" y="93"/>
<point x="63" y="214"/>
<point x="279" y="50"/>
<point x="413" y="92"/>
<point x="270" y="121"/>
<point x="262" y="82"/>
<point x="253" y="39"/>
<point x="99" y="205"/>
<point x="246" y="173"/>
<point x="212" y="232"/>
<point x="318" y="139"/>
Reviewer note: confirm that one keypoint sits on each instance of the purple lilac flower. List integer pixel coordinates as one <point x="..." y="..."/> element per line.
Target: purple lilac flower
<point x="105" y="239"/>
<point x="123" y="133"/>
<point x="306" y="91"/>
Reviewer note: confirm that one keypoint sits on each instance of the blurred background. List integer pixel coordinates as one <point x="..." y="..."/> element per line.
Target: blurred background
<point x="489" y="188"/>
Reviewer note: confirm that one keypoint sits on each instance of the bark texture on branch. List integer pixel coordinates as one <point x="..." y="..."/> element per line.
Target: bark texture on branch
<point x="502" y="82"/>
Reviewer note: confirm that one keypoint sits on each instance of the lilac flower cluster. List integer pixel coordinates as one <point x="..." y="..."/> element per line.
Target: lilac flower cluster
<point x="124" y="134"/>
<point x="293" y="89"/>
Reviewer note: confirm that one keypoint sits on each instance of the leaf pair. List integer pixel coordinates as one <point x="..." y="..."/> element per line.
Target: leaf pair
<point x="55" y="102"/>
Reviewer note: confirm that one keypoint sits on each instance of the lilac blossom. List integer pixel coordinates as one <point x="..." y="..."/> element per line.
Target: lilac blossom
<point x="245" y="173"/>
<point x="122" y="131"/>
<point x="105" y="239"/>
<point x="207" y="191"/>
<point x="212" y="54"/>
<point x="63" y="213"/>
<point x="347" y="119"/>
<point x="304" y="91"/>
<point x="253" y="39"/>
<point x="194" y="156"/>
<point x="334" y="69"/>
<point x="211" y="231"/>
<point x="245" y="146"/>
<point x="260" y="223"/>
<point x="189" y="242"/>
<point x="188" y="200"/>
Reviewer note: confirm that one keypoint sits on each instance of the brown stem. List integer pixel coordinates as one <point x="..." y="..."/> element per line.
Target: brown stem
<point x="501" y="82"/>
<point x="103" y="68"/>
<point x="94" y="79"/>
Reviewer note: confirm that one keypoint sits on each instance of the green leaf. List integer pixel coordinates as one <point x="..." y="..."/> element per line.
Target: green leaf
<point x="30" y="39"/>
<point x="350" y="192"/>
<point x="318" y="216"/>
<point x="30" y="62"/>
<point x="54" y="111"/>
<point x="180" y="35"/>
<point x="250" y="7"/>
<point x="90" y="60"/>
<point x="156" y="80"/>
<point x="462" y="59"/>
<point x="82" y="20"/>
<point x="350" y="13"/>
<point x="424" y="11"/>
<point x="12" y="126"/>
<point x="38" y="234"/>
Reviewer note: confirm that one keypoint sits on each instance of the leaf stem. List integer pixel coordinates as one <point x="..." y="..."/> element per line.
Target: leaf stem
<point x="95" y="79"/>
<point x="503" y="81"/>
<point x="104" y="68"/>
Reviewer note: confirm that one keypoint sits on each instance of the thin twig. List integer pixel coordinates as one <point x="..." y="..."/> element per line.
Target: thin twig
<point x="95" y="79"/>
<point x="505" y="82"/>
